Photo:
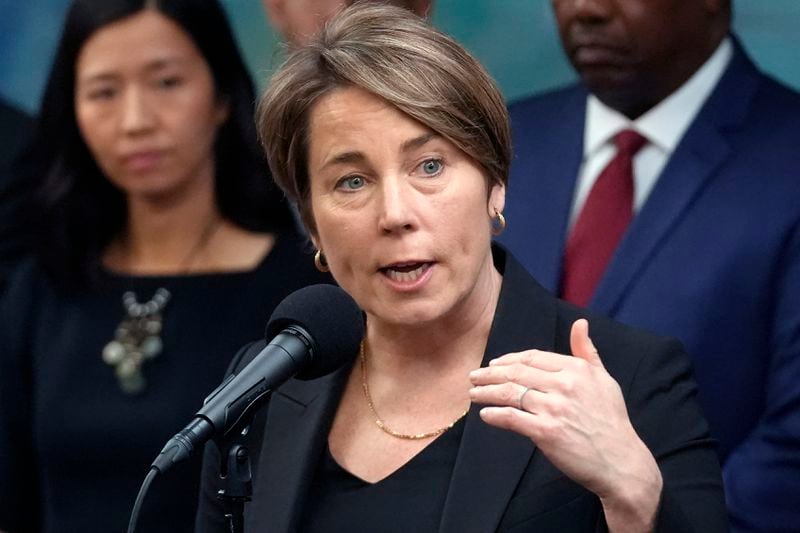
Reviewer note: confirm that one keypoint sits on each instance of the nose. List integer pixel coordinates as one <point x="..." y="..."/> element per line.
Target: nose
<point x="137" y="115"/>
<point x="397" y="207"/>
<point x="587" y="11"/>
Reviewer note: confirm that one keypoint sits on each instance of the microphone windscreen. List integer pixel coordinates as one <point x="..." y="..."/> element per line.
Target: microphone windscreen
<point x="332" y="319"/>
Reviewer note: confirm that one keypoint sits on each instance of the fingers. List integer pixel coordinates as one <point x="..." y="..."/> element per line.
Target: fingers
<point x="548" y="380"/>
<point x="581" y="345"/>
<point x="530" y="425"/>
<point x="509" y="395"/>
<point x="548" y="361"/>
<point x="514" y="373"/>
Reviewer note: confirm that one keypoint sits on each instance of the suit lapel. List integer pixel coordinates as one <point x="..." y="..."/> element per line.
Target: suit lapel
<point x="295" y="434"/>
<point x="542" y="182"/>
<point x="691" y="168"/>
<point x="491" y="461"/>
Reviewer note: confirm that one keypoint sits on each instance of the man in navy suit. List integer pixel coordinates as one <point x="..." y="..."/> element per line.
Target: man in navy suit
<point x="711" y="254"/>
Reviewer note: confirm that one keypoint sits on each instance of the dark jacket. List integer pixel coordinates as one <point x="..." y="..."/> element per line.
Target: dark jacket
<point x="500" y="482"/>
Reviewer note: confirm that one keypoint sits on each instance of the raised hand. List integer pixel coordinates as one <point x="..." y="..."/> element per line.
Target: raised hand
<point x="574" y="411"/>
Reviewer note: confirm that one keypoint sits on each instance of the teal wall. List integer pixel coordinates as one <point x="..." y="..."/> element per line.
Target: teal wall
<point x="515" y="39"/>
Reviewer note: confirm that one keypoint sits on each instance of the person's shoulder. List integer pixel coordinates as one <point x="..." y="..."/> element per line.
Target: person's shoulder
<point x="292" y="260"/>
<point x="611" y="330"/>
<point x="27" y="277"/>
<point x="781" y="98"/>
<point x="13" y="117"/>
<point x="758" y="119"/>
<point x="546" y="103"/>
<point x="15" y="127"/>
<point x="619" y="338"/>
<point x="622" y="348"/>
<point x="770" y="96"/>
<point x="27" y="292"/>
<point x="764" y="136"/>
<point x="629" y="354"/>
<point x="559" y="110"/>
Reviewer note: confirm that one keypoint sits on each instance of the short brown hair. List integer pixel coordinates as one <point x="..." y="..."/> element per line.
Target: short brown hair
<point x="399" y="57"/>
<point x="420" y="7"/>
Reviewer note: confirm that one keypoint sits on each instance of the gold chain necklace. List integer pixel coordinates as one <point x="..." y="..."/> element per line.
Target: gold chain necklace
<point x="381" y="424"/>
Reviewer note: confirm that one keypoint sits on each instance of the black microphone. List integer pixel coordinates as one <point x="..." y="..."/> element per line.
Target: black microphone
<point x="313" y="332"/>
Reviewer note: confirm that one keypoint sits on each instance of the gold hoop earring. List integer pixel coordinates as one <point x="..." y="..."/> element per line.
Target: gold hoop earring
<point x="498" y="223"/>
<point x="320" y="262"/>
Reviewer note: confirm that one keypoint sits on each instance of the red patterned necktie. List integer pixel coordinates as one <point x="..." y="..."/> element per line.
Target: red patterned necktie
<point x="602" y="222"/>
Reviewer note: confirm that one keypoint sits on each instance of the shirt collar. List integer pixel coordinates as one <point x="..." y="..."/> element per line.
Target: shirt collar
<point x="664" y="124"/>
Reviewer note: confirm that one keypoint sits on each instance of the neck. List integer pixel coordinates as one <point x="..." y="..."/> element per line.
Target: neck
<point x="169" y="237"/>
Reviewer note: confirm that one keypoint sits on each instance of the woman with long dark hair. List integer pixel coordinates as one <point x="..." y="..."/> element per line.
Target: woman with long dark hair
<point x="162" y="247"/>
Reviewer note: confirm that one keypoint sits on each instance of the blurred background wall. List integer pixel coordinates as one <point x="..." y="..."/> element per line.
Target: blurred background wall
<point x="515" y="39"/>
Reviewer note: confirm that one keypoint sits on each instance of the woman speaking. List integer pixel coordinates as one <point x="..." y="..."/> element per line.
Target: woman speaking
<point x="478" y="402"/>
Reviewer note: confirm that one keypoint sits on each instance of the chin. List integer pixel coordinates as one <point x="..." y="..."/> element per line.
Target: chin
<point x="614" y="87"/>
<point x="605" y="85"/>
<point x="156" y="190"/>
<point x="410" y="315"/>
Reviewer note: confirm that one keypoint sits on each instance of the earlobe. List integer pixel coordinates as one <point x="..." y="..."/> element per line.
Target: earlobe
<point x="497" y="199"/>
<point x="497" y="202"/>
<point x="320" y="262"/>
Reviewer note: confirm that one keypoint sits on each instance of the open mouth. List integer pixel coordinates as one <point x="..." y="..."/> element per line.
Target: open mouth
<point x="405" y="272"/>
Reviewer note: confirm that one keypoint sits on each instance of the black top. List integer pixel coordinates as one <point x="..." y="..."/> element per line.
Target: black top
<point x="74" y="448"/>
<point x="413" y="495"/>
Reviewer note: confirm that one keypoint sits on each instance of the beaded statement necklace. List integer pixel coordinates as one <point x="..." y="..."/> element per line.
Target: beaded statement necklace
<point x="381" y="424"/>
<point x="138" y="336"/>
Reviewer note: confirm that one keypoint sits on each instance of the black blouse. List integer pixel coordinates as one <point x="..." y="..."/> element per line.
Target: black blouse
<point x="74" y="448"/>
<point x="409" y="499"/>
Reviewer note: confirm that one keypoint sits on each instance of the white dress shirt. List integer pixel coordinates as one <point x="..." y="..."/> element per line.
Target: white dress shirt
<point x="663" y="126"/>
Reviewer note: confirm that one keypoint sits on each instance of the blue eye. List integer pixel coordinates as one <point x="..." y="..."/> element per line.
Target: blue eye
<point x="352" y="183"/>
<point x="431" y="167"/>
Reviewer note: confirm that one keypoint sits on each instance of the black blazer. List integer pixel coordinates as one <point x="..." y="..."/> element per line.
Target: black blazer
<point x="513" y="488"/>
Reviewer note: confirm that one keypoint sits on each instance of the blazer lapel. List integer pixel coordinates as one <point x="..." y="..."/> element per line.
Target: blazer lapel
<point x="542" y="182"/>
<point x="692" y="166"/>
<point x="298" y="421"/>
<point x="491" y="461"/>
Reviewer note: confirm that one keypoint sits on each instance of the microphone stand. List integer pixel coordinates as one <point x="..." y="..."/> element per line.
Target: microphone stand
<point x="235" y="474"/>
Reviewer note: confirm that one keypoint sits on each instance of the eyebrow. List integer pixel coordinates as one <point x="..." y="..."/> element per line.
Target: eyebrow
<point x="417" y="142"/>
<point x="357" y="157"/>
<point x="153" y="66"/>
